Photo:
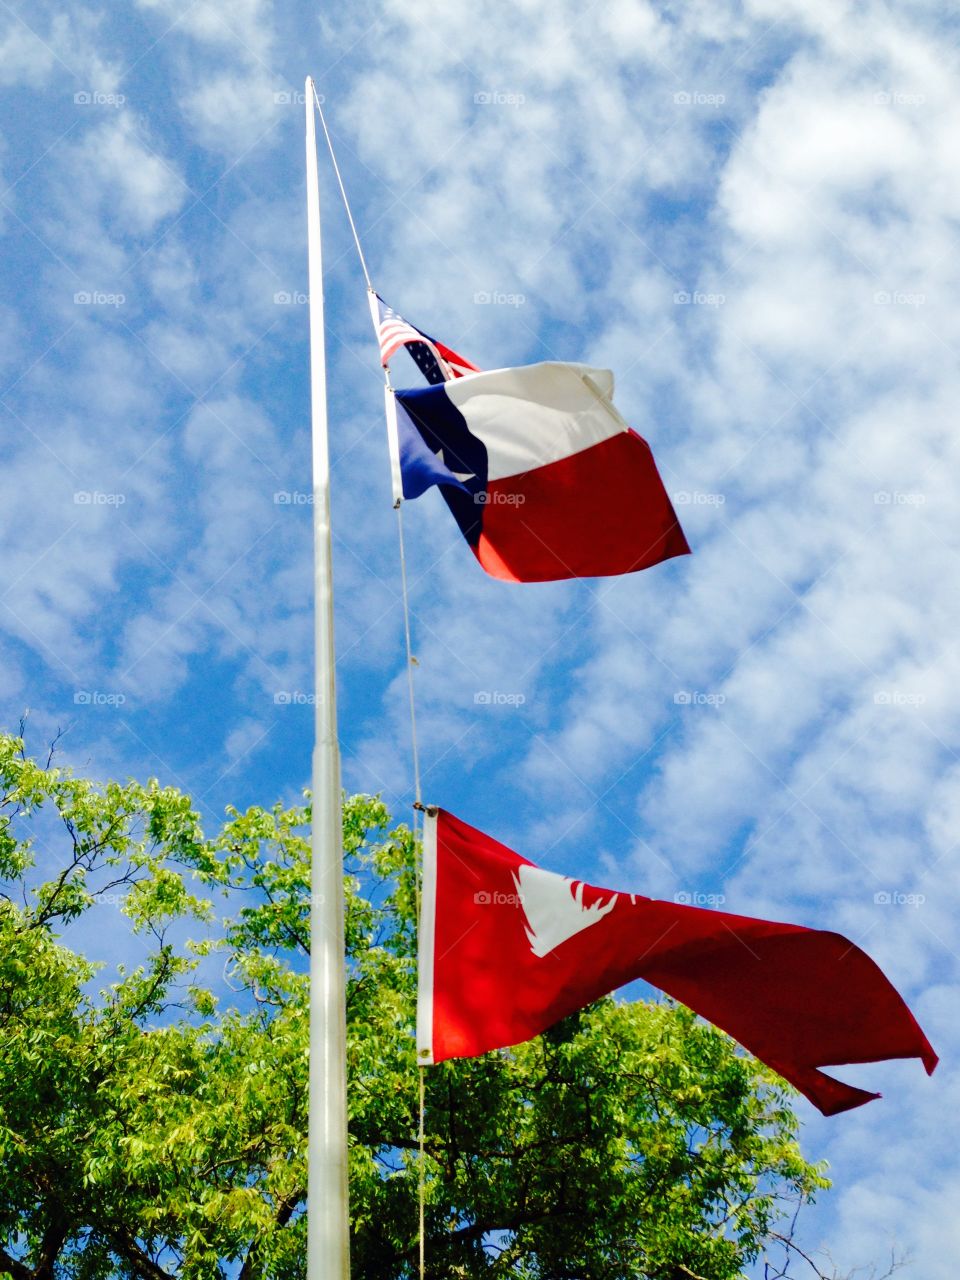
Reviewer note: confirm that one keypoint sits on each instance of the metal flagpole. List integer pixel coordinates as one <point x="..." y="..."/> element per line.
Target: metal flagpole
<point x="397" y="486"/>
<point x="328" y="1215"/>
<point x="394" y="447"/>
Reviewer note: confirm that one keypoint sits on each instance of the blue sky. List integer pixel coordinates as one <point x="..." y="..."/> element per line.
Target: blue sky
<point x="748" y="212"/>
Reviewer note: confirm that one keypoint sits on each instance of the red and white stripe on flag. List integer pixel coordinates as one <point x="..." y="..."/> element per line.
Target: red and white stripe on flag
<point x="437" y="361"/>
<point x="506" y="949"/>
<point x="394" y="333"/>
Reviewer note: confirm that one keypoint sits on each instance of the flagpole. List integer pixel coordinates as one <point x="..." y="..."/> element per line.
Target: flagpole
<point x="328" y="1214"/>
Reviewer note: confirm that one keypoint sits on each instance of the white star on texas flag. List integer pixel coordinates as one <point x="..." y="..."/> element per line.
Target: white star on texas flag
<point x="462" y="476"/>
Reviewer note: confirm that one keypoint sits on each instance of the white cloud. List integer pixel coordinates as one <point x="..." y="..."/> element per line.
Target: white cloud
<point x="247" y="21"/>
<point x="213" y="594"/>
<point x="231" y="105"/>
<point x="236" y="113"/>
<point x="118" y="173"/>
<point x="25" y="57"/>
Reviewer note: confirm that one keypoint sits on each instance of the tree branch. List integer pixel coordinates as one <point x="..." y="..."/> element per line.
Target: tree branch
<point x="477" y="1230"/>
<point x="284" y="1214"/>
<point x="789" y="1244"/>
<point x="127" y="1248"/>
<point x="53" y="1239"/>
<point x="16" y="1269"/>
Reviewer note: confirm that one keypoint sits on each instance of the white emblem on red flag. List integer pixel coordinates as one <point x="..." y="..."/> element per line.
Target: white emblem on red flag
<point x="554" y="909"/>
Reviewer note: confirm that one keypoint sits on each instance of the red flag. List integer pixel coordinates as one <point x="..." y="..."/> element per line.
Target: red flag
<point x="507" y="949"/>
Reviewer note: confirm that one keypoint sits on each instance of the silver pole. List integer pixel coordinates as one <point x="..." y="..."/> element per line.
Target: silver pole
<point x="328" y="1213"/>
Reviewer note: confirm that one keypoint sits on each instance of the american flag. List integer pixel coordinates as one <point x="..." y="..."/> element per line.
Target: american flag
<point x="435" y="361"/>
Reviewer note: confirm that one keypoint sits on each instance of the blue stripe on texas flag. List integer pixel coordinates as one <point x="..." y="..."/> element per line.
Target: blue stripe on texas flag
<point x="438" y="448"/>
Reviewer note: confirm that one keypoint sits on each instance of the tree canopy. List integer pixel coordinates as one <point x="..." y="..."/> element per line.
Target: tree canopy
<point x="153" y="1116"/>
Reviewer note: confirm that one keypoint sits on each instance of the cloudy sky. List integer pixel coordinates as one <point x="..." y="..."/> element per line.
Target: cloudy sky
<point x="748" y="212"/>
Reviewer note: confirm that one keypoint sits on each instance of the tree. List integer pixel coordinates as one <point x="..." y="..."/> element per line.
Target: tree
<point x="155" y="1127"/>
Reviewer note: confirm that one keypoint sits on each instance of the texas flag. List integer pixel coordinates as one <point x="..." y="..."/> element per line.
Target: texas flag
<point x="543" y="476"/>
<point x="506" y="949"/>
